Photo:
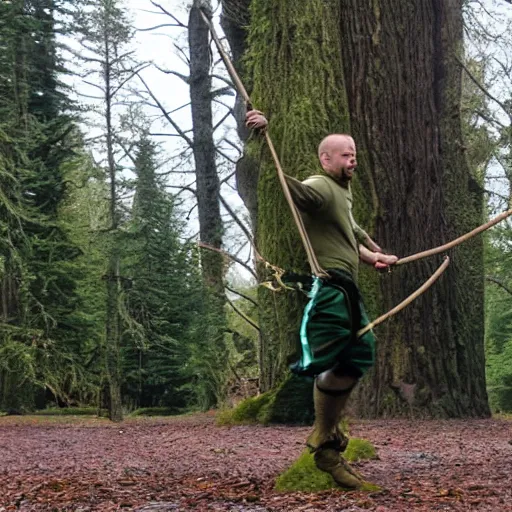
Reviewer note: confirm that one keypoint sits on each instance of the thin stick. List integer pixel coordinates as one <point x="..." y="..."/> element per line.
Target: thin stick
<point x="313" y="262"/>
<point x="457" y="241"/>
<point x="425" y="286"/>
<point x="202" y="245"/>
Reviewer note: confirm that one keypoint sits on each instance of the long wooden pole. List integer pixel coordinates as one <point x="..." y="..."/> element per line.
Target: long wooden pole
<point x="457" y="241"/>
<point x="424" y="287"/>
<point x="313" y="262"/>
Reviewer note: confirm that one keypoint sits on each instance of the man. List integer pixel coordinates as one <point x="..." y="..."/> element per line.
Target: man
<point x="331" y="350"/>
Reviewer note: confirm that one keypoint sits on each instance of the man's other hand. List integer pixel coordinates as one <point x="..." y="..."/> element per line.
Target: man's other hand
<point x="383" y="261"/>
<point x="256" y="120"/>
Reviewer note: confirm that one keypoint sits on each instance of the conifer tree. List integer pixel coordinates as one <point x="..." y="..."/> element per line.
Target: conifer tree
<point x="105" y="32"/>
<point x="38" y="282"/>
<point x="162" y="294"/>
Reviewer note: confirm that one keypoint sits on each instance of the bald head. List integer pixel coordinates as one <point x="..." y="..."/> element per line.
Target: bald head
<point x="337" y="155"/>
<point x="334" y="142"/>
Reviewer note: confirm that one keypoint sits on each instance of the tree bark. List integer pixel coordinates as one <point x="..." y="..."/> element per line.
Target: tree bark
<point x="390" y="67"/>
<point x="235" y="19"/>
<point x="404" y="89"/>
<point x="207" y="180"/>
<point x="208" y="195"/>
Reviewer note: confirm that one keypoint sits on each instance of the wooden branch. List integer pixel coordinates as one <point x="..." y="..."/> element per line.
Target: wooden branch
<point x="180" y="24"/>
<point x="183" y="188"/>
<point x="423" y="288"/>
<point x="457" y="241"/>
<point x="166" y="115"/>
<point x="243" y="315"/>
<point x="499" y="283"/>
<point x="159" y="26"/>
<point x="202" y="245"/>
<point x="224" y="117"/>
<point x="227" y="178"/>
<point x="243" y="295"/>
<point x="484" y="89"/>
<point x="234" y="216"/>
<point x="224" y="155"/>
<point x="181" y="76"/>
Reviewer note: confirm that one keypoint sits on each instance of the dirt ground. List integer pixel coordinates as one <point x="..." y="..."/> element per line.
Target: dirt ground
<point x="187" y="463"/>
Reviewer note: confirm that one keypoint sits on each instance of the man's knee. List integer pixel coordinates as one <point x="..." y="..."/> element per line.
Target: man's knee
<point x="332" y="381"/>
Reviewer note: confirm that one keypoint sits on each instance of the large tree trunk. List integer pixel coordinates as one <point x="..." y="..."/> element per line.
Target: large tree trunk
<point x="208" y="195"/>
<point x="404" y="85"/>
<point x="293" y="48"/>
<point x="207" y="180"/>
<point x="414" y="187"/>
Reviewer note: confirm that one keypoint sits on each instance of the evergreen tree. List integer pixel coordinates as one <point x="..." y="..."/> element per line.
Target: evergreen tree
<point x="162" y="294"/>
<point x="39" y="298"/>
<point x="105" y="32"/>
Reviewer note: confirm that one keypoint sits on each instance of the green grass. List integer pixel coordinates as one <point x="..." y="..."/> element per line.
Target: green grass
<point x="156" y="411"/>
<point x="67" y="411"/>
<point x="303" y="475"/>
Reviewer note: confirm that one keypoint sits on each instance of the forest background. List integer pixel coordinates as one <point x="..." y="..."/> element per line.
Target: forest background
<point x="115" y="161"/>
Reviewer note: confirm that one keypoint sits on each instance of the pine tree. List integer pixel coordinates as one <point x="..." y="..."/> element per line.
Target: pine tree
<point x="39" y="281"/>
<point x="162" y="293"/>
<point x="105" y="32"/>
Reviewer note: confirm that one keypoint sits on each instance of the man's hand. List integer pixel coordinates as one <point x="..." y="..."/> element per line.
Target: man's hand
<point x="383" y="261"/>
<point x="256" y="120"/>
<point x="377" y="259"/>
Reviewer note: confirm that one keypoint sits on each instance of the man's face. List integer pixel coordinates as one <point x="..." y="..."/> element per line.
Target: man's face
<point x="340" y="158"/>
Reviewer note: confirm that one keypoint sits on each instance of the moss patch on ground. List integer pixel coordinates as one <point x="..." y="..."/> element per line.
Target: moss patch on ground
<point x="247" y="412"/>
<point x="291" y="403"/>
<point x="303" y="475"/>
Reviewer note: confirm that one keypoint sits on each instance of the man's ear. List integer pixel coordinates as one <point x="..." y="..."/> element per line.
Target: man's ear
<point x="325" y="159"/>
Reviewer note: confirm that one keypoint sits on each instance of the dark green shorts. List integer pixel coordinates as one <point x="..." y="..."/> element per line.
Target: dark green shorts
<point x="333" y="315"/>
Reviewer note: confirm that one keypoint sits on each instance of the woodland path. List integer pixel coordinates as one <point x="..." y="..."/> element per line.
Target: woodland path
<point x="187" y="463"/>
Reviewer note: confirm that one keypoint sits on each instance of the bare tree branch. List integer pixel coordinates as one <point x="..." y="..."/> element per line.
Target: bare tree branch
<point x="224" y="117"/>
<point x="240" y="224"/>
<point x="180" y="24"/>
<point x="228" y="177"/>
<point x="127" y="79"/>
<point x="243" y="295"/>
<point x="230" y="256"/>
<point x="185" y="78"/>
<point x="484" y="89"/>
<point x="499" y="283"/>
<point x="183" y="188"/>
<point x="125" y="149"/>
<point x="159" y="26"/>
<point x="227" y="157"/>
<point x="243" y="315"/>
<point x="166" y="115"/>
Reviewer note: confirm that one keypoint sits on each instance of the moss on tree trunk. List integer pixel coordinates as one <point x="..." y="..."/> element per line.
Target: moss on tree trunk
<point x="291" y="50"/>
<point x="387" y="72"/>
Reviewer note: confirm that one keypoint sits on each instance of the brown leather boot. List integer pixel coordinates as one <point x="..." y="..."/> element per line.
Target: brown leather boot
<point x="328" y="458"/>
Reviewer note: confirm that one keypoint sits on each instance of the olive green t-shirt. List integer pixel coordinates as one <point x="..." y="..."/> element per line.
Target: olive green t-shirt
<point x="326" y="208"/>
